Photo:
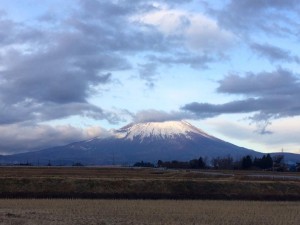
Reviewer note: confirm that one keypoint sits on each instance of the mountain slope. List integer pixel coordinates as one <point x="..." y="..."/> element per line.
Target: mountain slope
<point x="171" y="140"/>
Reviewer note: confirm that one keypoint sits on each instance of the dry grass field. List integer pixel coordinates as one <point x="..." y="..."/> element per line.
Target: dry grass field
<point x="129" y="183"/>
<point x="34" y="184"/>
<point x="147" y="212"/>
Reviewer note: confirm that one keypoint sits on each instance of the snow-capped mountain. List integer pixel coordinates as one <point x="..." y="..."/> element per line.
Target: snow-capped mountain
<point x="170" y="140"/>
<point x="159" y="130"/>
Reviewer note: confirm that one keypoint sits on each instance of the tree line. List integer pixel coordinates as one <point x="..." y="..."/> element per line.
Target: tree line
<point x="266" y="162"/>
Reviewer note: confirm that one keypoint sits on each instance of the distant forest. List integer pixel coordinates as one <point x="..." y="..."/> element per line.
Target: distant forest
<point x="266" y="162"/>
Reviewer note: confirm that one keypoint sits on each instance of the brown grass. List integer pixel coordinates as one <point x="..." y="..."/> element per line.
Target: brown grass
<point x="148" y="212"/>
<point x="32" y="182"/>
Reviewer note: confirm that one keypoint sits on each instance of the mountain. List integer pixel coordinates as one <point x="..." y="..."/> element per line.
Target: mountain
<point x="153" y="141"/>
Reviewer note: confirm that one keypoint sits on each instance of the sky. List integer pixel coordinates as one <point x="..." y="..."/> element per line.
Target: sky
<point x="72" y="70"/>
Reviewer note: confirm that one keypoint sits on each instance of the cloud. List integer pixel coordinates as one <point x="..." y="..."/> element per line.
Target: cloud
<point x="241" y="106"/>
<point x="48" y="77"/>
<point x="274" y="53"/>
<point x="191" y="39"/>
<point x="197" y="31"/>
<point x="148" y="72"/>
<point x="279" y="82"/>
<point x="267" y="94"/>
<point x="195" y="61"/>
<point x="61" y="61"/>
<point x="18" y="138"/>
<point x="284" y="134"/>
<point x="152" y="115"/>
<point x="31" y="111"/>
<point x="51" y="73"/>
<point x="50" y="67"/>
<point x="266" y="16"/>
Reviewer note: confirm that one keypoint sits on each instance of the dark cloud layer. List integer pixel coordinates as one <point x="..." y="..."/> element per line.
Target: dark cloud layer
<point x="276" y="83"/>
<point x="261" y="15"/>
<point x="267" y="94"/>
<point x="254" y="21"/>
<point x="274" y="53"/>
<point x="201" y="61"/>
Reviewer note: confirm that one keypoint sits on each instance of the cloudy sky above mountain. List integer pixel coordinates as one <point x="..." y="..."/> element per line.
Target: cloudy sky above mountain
<point x="73" y="69"/>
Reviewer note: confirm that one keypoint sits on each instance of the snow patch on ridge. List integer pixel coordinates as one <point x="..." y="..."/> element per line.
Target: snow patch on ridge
<point x="167" y="129"/>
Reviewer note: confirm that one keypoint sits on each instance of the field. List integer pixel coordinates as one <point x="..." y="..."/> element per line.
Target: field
<point x="107" y="196"/>
<point x="147" y="212"/>
<point x="132" y="183"/>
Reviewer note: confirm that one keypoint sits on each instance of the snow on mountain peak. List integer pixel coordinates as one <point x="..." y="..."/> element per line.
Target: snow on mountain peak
<point x="167" y="129"/>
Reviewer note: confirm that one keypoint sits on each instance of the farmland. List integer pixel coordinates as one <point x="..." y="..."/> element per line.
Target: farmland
<point x="108" y="196"/>
<point x="147" y="212"/>
<point x="132" y="183"/>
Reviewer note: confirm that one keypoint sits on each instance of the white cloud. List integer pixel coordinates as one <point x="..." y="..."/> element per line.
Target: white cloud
<point x="27" y="137"/>
<point x="285" y="134"/>
<point x="169" y="22"/>
<point x="204" y="33"/>
<point x="197" y="30"/>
